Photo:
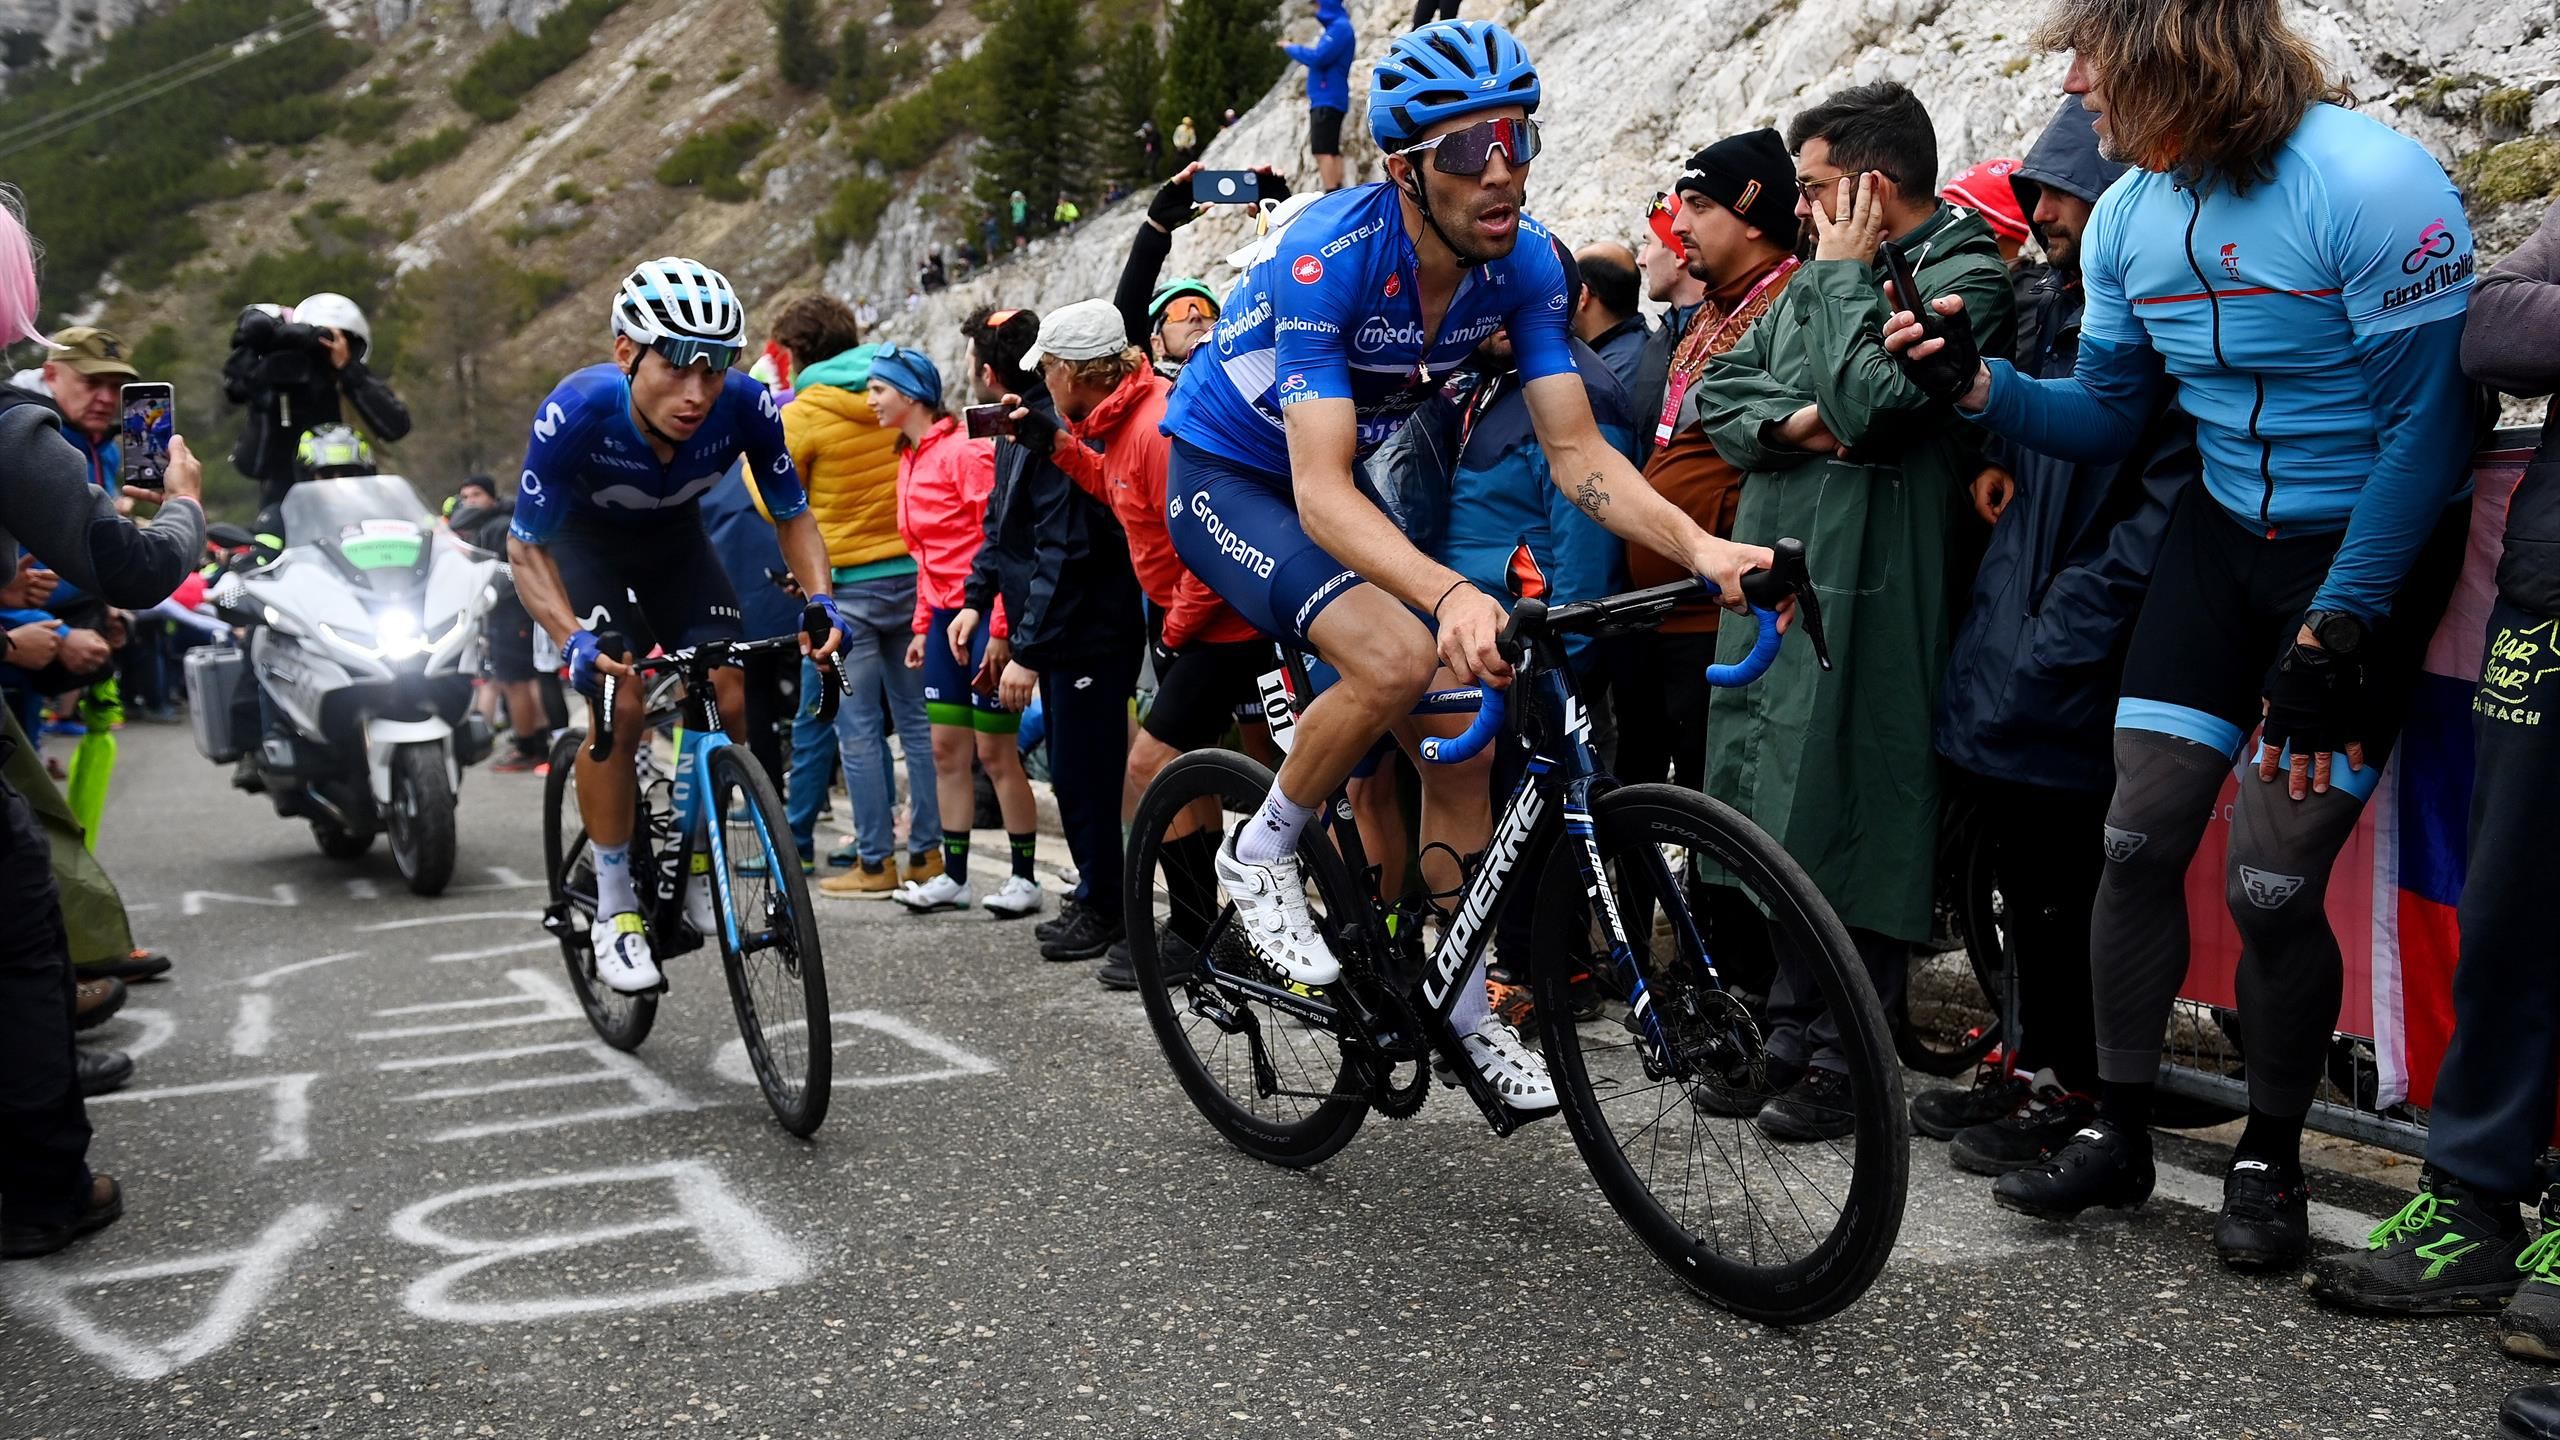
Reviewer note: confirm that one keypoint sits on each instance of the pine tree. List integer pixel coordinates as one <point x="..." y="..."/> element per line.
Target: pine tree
<point x="1034" y="112"/>
<point x="1132" y="74"/>
<point x="908" y="14"/>
<point x="1221" y="54"/>
<point x="847" y="88"/>
<point x="798" y="52"/>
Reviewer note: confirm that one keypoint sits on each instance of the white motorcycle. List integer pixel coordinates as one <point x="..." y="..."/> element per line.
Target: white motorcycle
<point x="364" y="634"/>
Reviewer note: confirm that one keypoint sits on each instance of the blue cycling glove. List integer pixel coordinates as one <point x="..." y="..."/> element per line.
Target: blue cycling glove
<point x="582" y="652"/>
<point x="824" y="606"/>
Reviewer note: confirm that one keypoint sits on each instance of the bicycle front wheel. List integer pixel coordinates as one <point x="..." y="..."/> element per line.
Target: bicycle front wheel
<point x="769" y="945"/>
<point x="621" y="1021"/>
<point x="1779" y="1230"/>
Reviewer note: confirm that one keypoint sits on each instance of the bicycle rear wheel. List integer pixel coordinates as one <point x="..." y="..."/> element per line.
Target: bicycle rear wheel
<point x="1277" y="1085"/>
<point x="777" y="978"/>
<point x="622" y="1021"/>
<point x="1783" y="1233"/>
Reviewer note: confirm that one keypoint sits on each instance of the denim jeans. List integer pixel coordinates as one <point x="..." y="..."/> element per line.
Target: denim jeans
<point x="879" y="614"/>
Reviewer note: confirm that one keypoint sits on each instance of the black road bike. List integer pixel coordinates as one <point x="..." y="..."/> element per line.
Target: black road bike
<point x="1641" y="1029"/>
<point x="740" y="843"/>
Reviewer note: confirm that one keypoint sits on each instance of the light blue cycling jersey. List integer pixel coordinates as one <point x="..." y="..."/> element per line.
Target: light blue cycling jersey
<point x="1335" y="314"/>
<point x="587" y="458"/>
<point x="2290" y="316"/>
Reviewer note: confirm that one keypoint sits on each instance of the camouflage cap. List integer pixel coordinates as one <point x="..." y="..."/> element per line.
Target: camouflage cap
<point x="92" y="351"/>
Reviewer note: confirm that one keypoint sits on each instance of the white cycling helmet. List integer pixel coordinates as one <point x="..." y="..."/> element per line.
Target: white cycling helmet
<point x="330" y="310"/>
<point x="672" y="298"/>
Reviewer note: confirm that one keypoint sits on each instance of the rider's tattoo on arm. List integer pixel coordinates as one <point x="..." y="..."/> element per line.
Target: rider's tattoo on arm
<point x="1590" y="496"/>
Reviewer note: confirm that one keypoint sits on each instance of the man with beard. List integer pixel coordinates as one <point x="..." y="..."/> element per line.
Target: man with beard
<point x="1732" y="215"/>
<point x="1370" y="299"/>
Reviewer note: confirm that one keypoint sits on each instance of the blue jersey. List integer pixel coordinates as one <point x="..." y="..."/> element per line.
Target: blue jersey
<point x="2260" y="304"/>
<point x="587" y="458"/>
<point x="1335" y="314"/>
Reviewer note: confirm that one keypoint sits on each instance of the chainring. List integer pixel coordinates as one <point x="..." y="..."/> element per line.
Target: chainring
<point x="1376" y="998"/>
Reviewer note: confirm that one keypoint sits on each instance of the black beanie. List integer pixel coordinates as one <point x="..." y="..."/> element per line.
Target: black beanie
<point x="1753" y="176"/>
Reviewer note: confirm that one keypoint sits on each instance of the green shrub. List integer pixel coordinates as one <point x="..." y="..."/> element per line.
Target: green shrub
<point x="508" y="70"/>
<point x="853" y="217"/>
<point x="2509" y="107"/>
<point x="908" y="14"/>
<point x="661" y="83"/>
<point x="290" y="121"/>
<point x="2513" y="173"/>
<point x="368" y="118"/>
<point x="419" y="156"/>
<point x="712" y="159"/>
<point x="906" y="133"/>
<point x="570" y="192"/>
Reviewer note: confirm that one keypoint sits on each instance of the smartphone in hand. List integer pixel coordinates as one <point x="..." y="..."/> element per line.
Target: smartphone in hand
<point x="987" y="422"/>
<point x="1906" y="292"/>
<point x="1226" y="187"/>
<point x="150" y="422"/>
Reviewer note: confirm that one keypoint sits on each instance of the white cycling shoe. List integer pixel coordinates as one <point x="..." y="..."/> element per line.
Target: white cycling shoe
<point x="1515" y="1070"/>
<point x="1016" y="898"/>
<point x="1271" y="910"/>
<point x="623" y="961"/>
<point x="697" y="906"/>
<point x="927" y="897"/>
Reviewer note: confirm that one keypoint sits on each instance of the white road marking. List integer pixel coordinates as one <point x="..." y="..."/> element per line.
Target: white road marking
<point x="254" y="1027"/>
<point x="750" y="1255"/>
<point x="730" y="1062"/>
<point x="465" y="918"/>
<point x="288" y="1122"/>
<point x="158" y="1026"/>
<point x="254" y="1271"/>
<point x="651" y="1094"/>
<point x="194" y="901"/>
<point x="265" y="978"/>
<point x="548" y="998"/>
<point x="500" y="878"/>
<point x="523" y="947"/>
<point x="360" y="888"/>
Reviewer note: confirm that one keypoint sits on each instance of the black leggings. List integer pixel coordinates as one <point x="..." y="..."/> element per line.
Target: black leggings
<point x="1426" y="11"/>
<point x="44" y="1128"/>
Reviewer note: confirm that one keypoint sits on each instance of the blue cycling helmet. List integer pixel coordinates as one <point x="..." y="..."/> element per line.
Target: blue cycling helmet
<point x="1443" y="70"/>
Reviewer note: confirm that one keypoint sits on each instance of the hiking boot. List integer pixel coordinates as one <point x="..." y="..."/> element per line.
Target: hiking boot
<point x="100" y="1071"/>
<point x="140" y="965"/>
<point x="2101" y="1165"/>
<point x="2448" y="1251"/>
<point x="1816" y="1107"/>
<point x="1091" y="934"/>
<point x="1118" y="971"/>
<point x="863" y="882"/>
<point x="2028" y="1135"/>
<point x="100" y="1208"/>
<point x="1741" y="1094"/>
<point x="1994" y="1095"/>
<point x="923" y="866"/>
<point x="2532" y="1413"/>
<point x="1050" y="929"/>
<point x="2530" y="1325"/>
<point x="2265" y="1222"/>
<point x="97" y="1000"/>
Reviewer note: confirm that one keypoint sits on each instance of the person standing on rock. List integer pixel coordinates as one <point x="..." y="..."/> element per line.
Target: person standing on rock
<point x="1186" y="141"/>
<point x="1328" y="63"/>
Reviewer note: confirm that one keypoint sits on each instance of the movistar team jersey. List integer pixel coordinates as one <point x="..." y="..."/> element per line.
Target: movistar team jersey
<point x="2261" y="304"/>
<point x="587" y="458"/>
<point x="1334" y="314"/>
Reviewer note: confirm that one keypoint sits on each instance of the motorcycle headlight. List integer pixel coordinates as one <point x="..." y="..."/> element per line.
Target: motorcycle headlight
<point x="396" y="635"/>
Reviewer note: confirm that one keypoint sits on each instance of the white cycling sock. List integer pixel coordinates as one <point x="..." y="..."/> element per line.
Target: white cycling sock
<point x="1273" y="832"/>
<point x="615" y="894"/>
<point x="1474" y="1005"/>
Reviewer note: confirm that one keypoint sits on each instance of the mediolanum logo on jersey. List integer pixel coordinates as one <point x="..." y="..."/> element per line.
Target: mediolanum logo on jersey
<point x="1377" y="335"/>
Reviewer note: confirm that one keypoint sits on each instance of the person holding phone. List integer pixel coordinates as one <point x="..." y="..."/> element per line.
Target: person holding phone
<point x="944" y="479"/>
<point x="1170" y="319"/>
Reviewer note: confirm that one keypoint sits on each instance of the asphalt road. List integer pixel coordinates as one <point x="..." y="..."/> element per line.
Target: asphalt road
<point x="383" y="1181"/>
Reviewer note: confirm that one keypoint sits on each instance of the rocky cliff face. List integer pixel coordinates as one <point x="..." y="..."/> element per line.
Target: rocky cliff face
<point x="1633" y="87"/>
<point x="60" y="29"/>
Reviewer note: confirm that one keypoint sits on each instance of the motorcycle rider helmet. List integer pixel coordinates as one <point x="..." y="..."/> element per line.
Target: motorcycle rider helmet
<point x="333" y="451"/>
<point x="683" y="309"/>
<point x="1443" y="70"/>
<point x="330" y="310"/>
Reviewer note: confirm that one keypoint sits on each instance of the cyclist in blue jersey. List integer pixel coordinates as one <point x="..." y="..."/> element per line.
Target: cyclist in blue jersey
<point x="1369" y="299"/>
<point x="2299" y="272"/>
<point x="608" y="540"/>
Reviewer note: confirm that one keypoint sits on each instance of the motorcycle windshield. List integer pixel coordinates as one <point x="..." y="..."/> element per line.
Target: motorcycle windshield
<point x="373" y="526"/>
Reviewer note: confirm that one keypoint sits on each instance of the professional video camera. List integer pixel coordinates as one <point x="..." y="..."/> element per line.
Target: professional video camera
<point x="283" y="371"/>
<point x="286" y="357"/>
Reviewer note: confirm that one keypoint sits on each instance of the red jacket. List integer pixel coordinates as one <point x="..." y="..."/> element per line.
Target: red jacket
<point x="1128" y="475"/>
<point x="943" y="483"/>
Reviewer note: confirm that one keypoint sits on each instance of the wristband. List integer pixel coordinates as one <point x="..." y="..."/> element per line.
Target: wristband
<point x="1444" y="596"/>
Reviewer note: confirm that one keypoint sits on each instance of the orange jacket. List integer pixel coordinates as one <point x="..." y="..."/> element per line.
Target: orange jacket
<point x="1128" y="474"/>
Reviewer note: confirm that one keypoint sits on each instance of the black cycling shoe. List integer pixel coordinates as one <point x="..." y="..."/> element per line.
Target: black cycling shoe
<point x="2100" y="1166"/>
<point x="1816" y="1107"/>
<point x="1118" y="971"/>
<point x="2266" y="1217"/>
<point x="1051" y="928"/>
<point x="1994" y="1095"/>
<point x="2448" y="1251"/>
<point x="2532" y="1413"/>
<point x="1090" y="934"/>
<point x="1741" y="1094"/>
<point x="2033" y="1133"/>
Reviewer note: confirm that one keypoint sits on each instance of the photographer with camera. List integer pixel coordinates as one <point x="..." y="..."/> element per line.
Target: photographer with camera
<point x="291" y="368"/>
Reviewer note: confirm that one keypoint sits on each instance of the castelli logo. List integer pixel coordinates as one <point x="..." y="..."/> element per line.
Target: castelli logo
<point x="1308" y="270"/>
<point x="1395" y="286"/>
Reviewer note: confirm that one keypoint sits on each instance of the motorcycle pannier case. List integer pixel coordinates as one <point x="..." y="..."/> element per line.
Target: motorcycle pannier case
<point x="216" y="676"/>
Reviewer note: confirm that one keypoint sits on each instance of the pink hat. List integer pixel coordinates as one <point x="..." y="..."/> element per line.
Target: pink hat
<point x="1985" y="188"/>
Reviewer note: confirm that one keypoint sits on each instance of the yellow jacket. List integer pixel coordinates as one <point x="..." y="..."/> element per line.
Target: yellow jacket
<point x="849" y="463"/>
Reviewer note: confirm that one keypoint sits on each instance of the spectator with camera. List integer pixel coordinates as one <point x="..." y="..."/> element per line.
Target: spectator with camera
<point x="296" y="371"/>
<point x="1167" y="320"/>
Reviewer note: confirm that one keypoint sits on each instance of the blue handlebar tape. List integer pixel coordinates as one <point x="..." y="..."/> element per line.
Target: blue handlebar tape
<point x="1764" y="653"/>
<point x="1480" y="731"/>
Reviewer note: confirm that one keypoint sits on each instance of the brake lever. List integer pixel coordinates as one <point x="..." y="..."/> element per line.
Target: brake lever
<point x="1789" y="577"/>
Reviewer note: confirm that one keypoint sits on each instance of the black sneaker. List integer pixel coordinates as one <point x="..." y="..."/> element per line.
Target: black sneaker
<point x="2266" y="1217"/>
<point x="2100" y="1166"/>
<point x="2033" y="1133"/>
<point x="2530" y="1325"/>
<point x="1051" y="928"/>
<point x="1088" y="935"/>
<point x="2532" y="1413"/>
<point x="1816" y="1107"/>
<point x="2448" y="1251"/>
<point x="1994" y="1095"/>
<point x="1740" y="1094"/>
<point x="1118" y="972"/>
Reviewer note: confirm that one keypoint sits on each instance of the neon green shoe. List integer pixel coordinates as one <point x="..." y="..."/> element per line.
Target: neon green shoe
<point x="2448" y="1251"/>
